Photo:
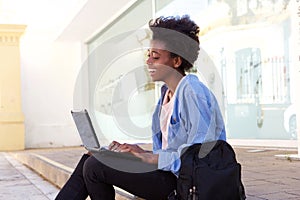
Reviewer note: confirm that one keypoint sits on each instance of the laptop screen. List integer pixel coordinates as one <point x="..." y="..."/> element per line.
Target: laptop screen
<point x="85" y="129"/>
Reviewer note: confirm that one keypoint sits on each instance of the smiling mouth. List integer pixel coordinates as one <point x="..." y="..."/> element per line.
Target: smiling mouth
<point x="151" y="71"/>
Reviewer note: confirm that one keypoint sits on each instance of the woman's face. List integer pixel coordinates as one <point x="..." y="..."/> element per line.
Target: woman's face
<point x="160" y="63"/>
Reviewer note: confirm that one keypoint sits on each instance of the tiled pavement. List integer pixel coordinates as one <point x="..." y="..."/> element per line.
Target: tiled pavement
<point x="17" y="182"/>
<point x="265" y="175"/>
<point x="268" y="176"/>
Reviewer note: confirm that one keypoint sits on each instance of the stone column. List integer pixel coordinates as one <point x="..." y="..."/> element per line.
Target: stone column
<point x="11" y="116"/>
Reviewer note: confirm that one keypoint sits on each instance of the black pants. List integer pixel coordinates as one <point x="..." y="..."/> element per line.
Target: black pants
<point x="92" y="177"/>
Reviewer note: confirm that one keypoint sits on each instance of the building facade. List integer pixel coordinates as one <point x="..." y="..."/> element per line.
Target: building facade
<point x="95" y="59"/>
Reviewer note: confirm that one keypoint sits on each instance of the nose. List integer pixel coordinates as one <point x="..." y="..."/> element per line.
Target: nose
<point x="149" y="61"/>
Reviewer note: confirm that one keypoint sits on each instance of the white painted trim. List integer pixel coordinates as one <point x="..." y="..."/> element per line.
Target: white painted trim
<point x="153" y="9"/>
<point x="295" y="59"/>
<point x="112" y="19"/>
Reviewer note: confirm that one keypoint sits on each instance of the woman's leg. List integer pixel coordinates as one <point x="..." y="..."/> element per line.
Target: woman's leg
<point x="75" y="189"/>
<point x="100" y="178"/>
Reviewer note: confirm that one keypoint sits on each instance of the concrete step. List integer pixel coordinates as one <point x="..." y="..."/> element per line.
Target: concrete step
<point x="42" y="162"/>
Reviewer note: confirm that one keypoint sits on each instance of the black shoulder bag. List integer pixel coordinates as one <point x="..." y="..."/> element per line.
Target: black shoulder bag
<point x="209" y="171"/>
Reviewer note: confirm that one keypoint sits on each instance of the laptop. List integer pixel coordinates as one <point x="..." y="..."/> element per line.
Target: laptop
<point x="88" y="134"/>
<point x="86" y="130"/>
<point x="117" y="160"/>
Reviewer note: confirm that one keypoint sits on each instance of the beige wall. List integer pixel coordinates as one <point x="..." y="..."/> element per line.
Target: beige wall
<point x="11" y="116"/>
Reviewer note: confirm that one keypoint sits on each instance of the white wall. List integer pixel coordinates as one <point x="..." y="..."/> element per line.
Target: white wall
<point x="48" y="75"/>
<point x="52" y="52"/>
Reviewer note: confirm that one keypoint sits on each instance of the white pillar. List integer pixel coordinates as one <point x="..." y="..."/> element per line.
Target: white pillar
<point x="295" y="8"/>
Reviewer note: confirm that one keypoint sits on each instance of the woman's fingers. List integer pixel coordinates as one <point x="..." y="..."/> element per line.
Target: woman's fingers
<point x="113" y="145"/>
<point x="124" y="148"/>
<point x="116" y="146"/>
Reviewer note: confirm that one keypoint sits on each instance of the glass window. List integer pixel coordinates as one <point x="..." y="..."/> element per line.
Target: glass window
<point x="120" y="91"/>
<point x="246" y="60"/>
<point x="250" y="45"/>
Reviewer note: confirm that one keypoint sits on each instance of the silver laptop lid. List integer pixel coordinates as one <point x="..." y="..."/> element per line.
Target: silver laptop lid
<point x="85" y="129"/>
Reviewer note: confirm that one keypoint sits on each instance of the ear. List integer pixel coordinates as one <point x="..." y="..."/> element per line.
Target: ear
<point x="177" y="61"/>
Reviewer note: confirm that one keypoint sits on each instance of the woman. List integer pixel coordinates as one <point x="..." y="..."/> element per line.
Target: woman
<point x="186" y="113"/>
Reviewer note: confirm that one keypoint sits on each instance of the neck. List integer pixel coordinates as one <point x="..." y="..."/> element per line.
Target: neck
<point x="173" y="81"/>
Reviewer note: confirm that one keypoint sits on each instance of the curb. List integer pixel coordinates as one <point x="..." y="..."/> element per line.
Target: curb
<point x="54" y="172"/>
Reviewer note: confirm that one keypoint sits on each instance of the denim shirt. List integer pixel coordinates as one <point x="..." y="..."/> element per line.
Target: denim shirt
<point x="196" y="118"/>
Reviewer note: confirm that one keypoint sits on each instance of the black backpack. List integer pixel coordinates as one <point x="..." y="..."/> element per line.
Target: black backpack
<point x="209" y="171"/>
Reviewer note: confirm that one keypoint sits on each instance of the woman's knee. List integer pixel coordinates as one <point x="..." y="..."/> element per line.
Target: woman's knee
<point x="88" y="165"/>
<point x="92" y="169"/>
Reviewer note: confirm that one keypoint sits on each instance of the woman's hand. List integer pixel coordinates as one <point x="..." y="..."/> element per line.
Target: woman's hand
<point x="116" y="146"/>
<point x="113" y="146"/>
<point x="147" y="157"/>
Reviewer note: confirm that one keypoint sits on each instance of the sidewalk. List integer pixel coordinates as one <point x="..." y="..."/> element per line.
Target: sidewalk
<point x="265" y="175"/>
<point x="17" y="182"/>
